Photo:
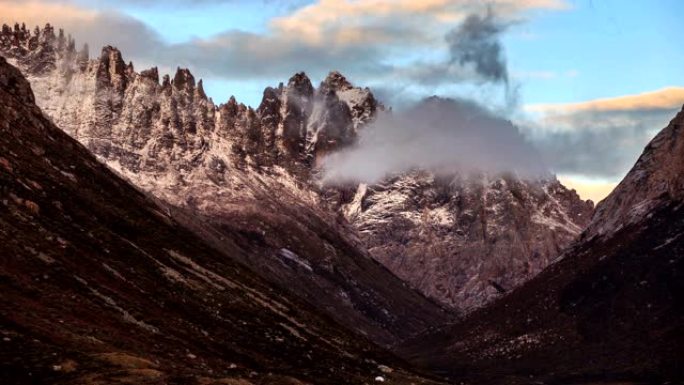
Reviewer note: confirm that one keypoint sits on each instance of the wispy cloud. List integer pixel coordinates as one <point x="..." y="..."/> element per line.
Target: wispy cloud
<point x="666" y="98"/>
<point x="440" y="135"/>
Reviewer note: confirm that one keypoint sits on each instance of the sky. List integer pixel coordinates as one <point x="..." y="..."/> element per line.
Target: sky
<point x="587" y="82"/>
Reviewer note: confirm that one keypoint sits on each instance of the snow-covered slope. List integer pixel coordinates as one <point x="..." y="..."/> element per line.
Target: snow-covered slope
<point x="460" y="241"/>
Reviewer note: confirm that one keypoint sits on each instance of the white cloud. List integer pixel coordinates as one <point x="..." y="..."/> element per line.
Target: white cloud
<point x="441" y="135"/>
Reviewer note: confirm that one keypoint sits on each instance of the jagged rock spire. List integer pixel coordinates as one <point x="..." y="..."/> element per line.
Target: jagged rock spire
<point x="152" y="74"/>
<point x="200" y="90"/>
<point x="112" y="70"/>
<point x="300" y="84"/>
<point x="335" y="81"/>
<point x="183" y="79"/>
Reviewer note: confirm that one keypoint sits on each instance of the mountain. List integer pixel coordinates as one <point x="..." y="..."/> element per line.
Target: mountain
<point x="464" y="234"/>
<point x="169" y="139"/>
<point x="101" y="285"/>
<point x="466" y="240"/>
<point x="610" y="310"/>
<point x="458" y="240"/>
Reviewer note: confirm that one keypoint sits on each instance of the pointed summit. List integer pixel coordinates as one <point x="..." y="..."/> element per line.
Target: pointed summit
<point x="112" y="70"/>
<point x="335" y="81"/>
<point x="183" y="79"/>
<point x="301" y="84"/>
<point x="152" y="74"/>
<point x="200" y="90"/>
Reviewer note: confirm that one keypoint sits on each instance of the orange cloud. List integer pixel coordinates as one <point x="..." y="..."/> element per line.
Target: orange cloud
<point x="315" y="23"/>
<point x="666" y="98"/>
<point x="39" y="13"/>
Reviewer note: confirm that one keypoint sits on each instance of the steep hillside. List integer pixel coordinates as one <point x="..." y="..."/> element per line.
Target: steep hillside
<point x="611" y="310"/>
<point x="101" y="285"/>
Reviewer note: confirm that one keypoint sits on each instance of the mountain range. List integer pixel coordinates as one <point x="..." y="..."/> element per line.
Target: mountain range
<point x="208" y="230"/>
<point x="459" y="239"/>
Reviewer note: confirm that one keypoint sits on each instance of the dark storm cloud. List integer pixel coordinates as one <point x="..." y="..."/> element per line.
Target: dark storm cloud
<point x="476" y="42"/>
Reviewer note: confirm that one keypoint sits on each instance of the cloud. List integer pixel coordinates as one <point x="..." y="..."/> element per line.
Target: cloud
<point x="475" y="56"/>
<point x="39" y="13"/>
<point x="317" y="20"/>
<point x="666" y="98"/>
<point x="476" y="42"/>
<point x="363" y="39"/>
<point x="600" y="138"/>
<point x="440" y="135"/>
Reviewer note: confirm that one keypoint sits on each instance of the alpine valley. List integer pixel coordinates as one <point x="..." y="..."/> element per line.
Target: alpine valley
<point x="152" y="236"/>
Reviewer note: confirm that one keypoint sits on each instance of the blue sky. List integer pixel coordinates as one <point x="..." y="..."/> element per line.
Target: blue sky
<point x="594" y="79"/>
<point x="615" y="47"/>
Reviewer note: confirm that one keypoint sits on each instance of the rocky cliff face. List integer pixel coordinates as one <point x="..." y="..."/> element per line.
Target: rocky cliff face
<point x="459" y="240"/>
<point x="466" y="240"/>
<point x="100" y="285"/>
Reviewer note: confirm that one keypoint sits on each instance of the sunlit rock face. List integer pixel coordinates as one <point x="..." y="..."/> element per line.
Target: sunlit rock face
<point x="462" y="240"/>
<point x="465" y="241"/>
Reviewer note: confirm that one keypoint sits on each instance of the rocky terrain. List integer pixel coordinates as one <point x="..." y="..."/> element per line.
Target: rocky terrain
<point x="462" y="241"/>
<point x="101" y="285"/>
<point x="610" y="311"/>
<point x="466" y="241"/>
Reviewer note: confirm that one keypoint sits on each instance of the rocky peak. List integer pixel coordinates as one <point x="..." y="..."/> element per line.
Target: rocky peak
<point x="152" y="74"/>
<point x="112" y="70"/>
<point x="183" y="80"/>
<point x="269" y="108"/>
<point x="335" y="81"/>
<point x="297" y="107"/>
<point x="461" y="239"/>
<point x="300" y="85"/>
<point x="657" y="177"/>
<point x="166" y="82"/>
<point x="200" y="90"/>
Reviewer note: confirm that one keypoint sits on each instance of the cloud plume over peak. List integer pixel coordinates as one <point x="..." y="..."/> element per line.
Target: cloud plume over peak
<point x="476" y="42"/>
<point x="439" y="135"/>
